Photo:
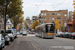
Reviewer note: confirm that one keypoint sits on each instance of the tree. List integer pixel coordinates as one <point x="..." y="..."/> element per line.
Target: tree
<point x="26" y="24"/>
<point x="14" y="10"/>
<point x="62" y="27"/>
<point x="35" y="23"/>
<point x="57" y="25"/>
<point x="21" y="26"/>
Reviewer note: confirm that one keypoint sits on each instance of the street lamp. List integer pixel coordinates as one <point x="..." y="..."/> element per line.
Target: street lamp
<point x="5" y="11"/>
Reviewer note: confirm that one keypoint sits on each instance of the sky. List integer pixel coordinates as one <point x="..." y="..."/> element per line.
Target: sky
<point x="34" y="7"/>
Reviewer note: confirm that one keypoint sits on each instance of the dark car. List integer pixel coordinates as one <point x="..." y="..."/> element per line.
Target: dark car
<point x="66" y="35"/>
<point x="72" y="35"/>
<point x="62" y="34"/>
<point x="7" y="40"/>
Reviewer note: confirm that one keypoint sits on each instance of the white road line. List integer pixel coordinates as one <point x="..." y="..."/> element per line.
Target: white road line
<point x="36" y="47"/>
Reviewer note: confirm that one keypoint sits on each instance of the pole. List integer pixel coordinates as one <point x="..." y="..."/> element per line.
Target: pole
<point x="5" y="16"/>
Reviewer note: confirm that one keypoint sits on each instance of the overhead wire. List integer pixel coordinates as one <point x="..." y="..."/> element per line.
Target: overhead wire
<point x="58" y="4"/>
<point x="38" y="6"/>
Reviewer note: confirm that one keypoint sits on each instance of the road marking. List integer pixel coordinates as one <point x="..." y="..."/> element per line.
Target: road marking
<point x="35" y="46"/>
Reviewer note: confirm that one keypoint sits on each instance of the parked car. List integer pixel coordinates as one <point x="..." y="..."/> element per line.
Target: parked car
<point x="14" y="32"/>
<point x="62" y="34"/>
<point x="58" y="34"/>
<point x="72" y="35"/>
<point x="7" y="40"/>
<point x="24" y="33"/>
<point x="18" y="33"/>
<point x="9" y="33"/>
<point x="21" y="32"/>
<point x="2" y="42"/>
<point x="66" y="35"/>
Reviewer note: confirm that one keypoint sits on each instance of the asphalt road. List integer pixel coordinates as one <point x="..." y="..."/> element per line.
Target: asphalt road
<point x="30" y="42"/>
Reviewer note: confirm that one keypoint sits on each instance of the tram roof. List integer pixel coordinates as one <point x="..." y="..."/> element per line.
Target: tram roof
<point x="44" y="24"/>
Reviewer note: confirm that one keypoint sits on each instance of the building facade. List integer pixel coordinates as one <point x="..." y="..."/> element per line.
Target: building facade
<point x="52" y="16"/>
<point x="34" y="18"/>
<point x="70" y="16"/>
<point x="29" y="22"/>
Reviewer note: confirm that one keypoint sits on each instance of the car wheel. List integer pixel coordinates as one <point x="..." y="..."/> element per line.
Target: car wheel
<point x="1" y="48"/>
<point x="8" y="43"/>
<point x="73" y="38"/>
<point x="69" y="37"/>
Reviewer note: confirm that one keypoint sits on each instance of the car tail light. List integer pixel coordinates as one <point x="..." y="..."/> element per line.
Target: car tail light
<point x="74" y="35"/>
<point x="62" y="34"/>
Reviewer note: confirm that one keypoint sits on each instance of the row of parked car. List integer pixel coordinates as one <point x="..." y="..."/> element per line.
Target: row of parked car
<point x="6" y="38"/>
<point x="66" y="35"/>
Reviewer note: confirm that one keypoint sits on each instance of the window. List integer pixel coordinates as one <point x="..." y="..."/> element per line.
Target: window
<point x="65" y="15"/>
<point x="59" y="14"/>
<point x="52" y="13"/>
<point x="52" y="18"/>
<point x="59" y="18"/>
<point x="41" y="22"/>
<point x="43" y="18"/>
<point x="65" y="11"/>
<point x="65" y="22"/>
<point x="65" y="18"/>
<point x="59" y="22"/>
<point x="43" y="13"/>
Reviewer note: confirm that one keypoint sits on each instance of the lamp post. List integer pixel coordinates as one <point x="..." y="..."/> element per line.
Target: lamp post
<point x="5" y="11"/>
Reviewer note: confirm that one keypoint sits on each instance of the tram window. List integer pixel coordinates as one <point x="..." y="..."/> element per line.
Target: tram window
<point x="49" y="28"/>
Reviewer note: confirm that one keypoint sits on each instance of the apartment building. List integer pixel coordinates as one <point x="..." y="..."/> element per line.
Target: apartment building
<point x="34" y="18"/>
<point x="52" y="16"/>
<point x="29" y="22"/>
<point x="70" y="16"/>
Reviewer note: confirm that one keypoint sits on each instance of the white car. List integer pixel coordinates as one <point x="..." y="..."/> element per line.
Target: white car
<point x="24" y="33"/>
<point x="58" y="34"/>
<point x="18" y="33"/>
<point x="2" y="42"/>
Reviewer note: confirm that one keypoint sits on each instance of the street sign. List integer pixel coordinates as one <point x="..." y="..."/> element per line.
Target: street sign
<point x="65" y="24"/>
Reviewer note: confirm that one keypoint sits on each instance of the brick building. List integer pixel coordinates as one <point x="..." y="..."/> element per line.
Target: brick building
<point x="52" y="16"/>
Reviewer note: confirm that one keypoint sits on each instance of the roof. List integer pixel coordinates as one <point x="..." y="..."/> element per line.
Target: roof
<point x="43" y="24"/>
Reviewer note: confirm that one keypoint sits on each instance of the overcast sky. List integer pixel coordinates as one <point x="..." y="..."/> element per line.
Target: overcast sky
<point x="33" y="7"/>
